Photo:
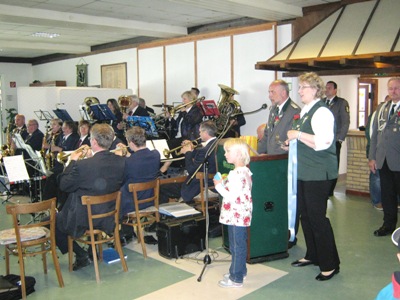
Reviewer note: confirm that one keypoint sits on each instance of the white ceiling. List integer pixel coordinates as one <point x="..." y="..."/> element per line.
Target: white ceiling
<point x="85" y="23"/>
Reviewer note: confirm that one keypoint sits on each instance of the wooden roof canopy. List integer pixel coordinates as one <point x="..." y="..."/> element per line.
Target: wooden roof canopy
<point x="360" y="38"/>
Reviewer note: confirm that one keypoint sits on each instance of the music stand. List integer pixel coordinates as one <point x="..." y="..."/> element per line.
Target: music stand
<point x="62" y="114"/>
<point x="5" y="185"/>
<point x="16" y="169"/>
<point x="101" y="112"/>
<point x="147" y="123"/>
<point x="43" y="115"/>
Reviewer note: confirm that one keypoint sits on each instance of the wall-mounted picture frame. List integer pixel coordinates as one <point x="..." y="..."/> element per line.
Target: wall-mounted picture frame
<point x="114" y="76"/>
<point x="82" y="75"/>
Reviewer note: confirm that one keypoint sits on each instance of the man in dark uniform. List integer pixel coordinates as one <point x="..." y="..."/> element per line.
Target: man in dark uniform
<point x="101" y="174"/>
<point x="340" y="109"/>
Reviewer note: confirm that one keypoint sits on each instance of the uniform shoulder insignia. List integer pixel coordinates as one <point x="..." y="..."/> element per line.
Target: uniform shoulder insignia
<point x="294" y="105"/>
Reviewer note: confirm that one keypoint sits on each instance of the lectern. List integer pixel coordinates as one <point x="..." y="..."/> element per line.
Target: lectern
<point x="268" y="233"/>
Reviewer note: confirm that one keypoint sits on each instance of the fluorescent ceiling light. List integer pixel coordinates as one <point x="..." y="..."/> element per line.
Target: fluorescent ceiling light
<point x="45" y="35"/>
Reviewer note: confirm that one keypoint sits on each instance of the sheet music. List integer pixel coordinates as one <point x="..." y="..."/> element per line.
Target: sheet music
<point x="15" y="167"/>
<point x="19" y="141"/>
<point x="177" y="210"/>
<point x="159" y="145"/>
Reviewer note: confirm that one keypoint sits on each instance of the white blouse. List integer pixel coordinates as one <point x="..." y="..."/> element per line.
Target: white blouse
<point x="237" y="204"/>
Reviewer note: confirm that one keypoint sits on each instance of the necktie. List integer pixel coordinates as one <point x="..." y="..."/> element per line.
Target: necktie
<point x="80" y="143"/>
<point x="392" y="111"/>
<point x="277" y="111"/>
<point x="327" y="102"/>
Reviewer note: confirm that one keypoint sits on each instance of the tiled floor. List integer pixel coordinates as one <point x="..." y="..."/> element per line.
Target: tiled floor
<point x="367" y="265"/>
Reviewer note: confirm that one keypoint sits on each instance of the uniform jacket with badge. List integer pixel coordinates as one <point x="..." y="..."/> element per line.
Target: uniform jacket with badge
<point x="277" y="128"/>
<point x="101" y="174"/>
<point x="385" y="139"/>
<point x="340" y="109"/>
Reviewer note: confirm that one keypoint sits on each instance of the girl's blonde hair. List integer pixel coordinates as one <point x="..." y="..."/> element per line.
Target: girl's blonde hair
<point x="240" y="146"/>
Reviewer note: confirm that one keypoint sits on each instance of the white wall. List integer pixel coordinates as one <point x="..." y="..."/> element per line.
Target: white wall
<point x="66" y="69"/>
<point x="21" y="74"/>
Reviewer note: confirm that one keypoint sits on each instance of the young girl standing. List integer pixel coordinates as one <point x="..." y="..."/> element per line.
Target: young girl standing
<point x="236" y="209"/>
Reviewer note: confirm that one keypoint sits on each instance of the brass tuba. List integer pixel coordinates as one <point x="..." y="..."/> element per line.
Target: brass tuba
<point x="227" y="106"/>
<point x="124" y="102"/>
<point x="87" y="102"/>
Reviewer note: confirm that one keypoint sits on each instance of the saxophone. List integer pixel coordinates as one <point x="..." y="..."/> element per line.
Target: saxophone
<point x="51" y="156"/>
<point x="44" y="152"/>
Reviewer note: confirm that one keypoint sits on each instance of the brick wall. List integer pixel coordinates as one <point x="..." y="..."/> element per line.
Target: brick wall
<point x="357" y="179"/>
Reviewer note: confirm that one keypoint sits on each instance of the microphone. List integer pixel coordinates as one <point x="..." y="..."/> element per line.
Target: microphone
<point x="264" y="106"/>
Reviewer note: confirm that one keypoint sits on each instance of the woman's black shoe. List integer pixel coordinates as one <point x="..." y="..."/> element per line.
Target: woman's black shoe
<point x="299" y="263"/>
<point x="321" y="277"/>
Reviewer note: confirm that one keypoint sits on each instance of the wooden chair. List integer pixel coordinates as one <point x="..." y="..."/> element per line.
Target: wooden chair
<point x="25" y="246"/>
<point x="213" y="198"/>
<point x="101" y="237"/>
<point x="147" y="216"/>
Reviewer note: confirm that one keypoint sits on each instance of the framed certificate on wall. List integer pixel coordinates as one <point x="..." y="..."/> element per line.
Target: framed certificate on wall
<point x="114" y="76"/>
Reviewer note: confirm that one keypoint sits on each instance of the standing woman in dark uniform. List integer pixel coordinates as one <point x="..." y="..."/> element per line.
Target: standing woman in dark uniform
<point x="114" y="107"/>
<point x="317" y="168"/>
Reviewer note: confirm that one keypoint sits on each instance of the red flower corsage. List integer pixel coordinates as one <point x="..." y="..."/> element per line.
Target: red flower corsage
<point x="296" y="117"/>
<point x="276" y="118"/>
<point x="398" y="113"/>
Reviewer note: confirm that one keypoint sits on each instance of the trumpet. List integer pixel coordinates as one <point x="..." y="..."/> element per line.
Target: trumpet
<point x="124" y="150"/>
<point x="167" y="153"/>
<point x="63" y="157"/>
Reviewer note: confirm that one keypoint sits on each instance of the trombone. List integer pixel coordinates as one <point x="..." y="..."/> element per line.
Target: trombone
<point x="173" y="110"/>
<point x="167" y="153"/>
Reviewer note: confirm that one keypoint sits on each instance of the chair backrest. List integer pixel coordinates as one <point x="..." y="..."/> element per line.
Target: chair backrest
<point x="33" y="208"/>
<point x="89" y="201"/>
<point x="144" y="186"/>
<point x="200" y="177"/>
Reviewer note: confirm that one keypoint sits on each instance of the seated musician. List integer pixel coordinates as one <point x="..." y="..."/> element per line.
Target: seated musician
<point x="135" y="109"/>
<point x="34" y="138"/>
<point x="141" y="166"/>
<point x="193" y="159"/>
<point x="84" y="134"/>
<point x="114" y="107"/>
<point x="20" y="126"/>
<point x="100" y="174"/>
<point x="53" y="136"/>
<point x="67" y="142"/>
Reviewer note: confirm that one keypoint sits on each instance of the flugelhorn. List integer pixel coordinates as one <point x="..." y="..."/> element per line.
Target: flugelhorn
<point x="167" y="153"/>
<point x="63" y="157"/>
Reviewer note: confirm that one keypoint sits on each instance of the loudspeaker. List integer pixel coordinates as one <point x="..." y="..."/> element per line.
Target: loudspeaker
<point x="177" y="237"/>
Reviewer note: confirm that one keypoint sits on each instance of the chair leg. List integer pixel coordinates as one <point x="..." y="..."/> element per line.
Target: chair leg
<point x="95" y="262"/>
<point x="70" y="252"/>
<point x="22" y="273"/>
<point x="44" y="259"/>
<point x="141" y="239"/>
<point x="57" y="265"/>
<point x="117" y="245"/>
<point x="7" y="258"/>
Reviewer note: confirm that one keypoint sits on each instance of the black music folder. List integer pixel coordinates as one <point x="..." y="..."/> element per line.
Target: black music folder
<point x="102" y="112"/>
<point x="62" y="114"/>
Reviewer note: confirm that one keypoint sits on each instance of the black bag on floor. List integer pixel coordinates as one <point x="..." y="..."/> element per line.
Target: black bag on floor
<point x="10" y="286"/>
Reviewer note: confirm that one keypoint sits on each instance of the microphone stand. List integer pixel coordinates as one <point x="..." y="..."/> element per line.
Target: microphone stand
<point x="207" y="259"/>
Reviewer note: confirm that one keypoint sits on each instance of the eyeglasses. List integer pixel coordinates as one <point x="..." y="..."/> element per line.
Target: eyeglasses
<point x="302" y="87"/>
